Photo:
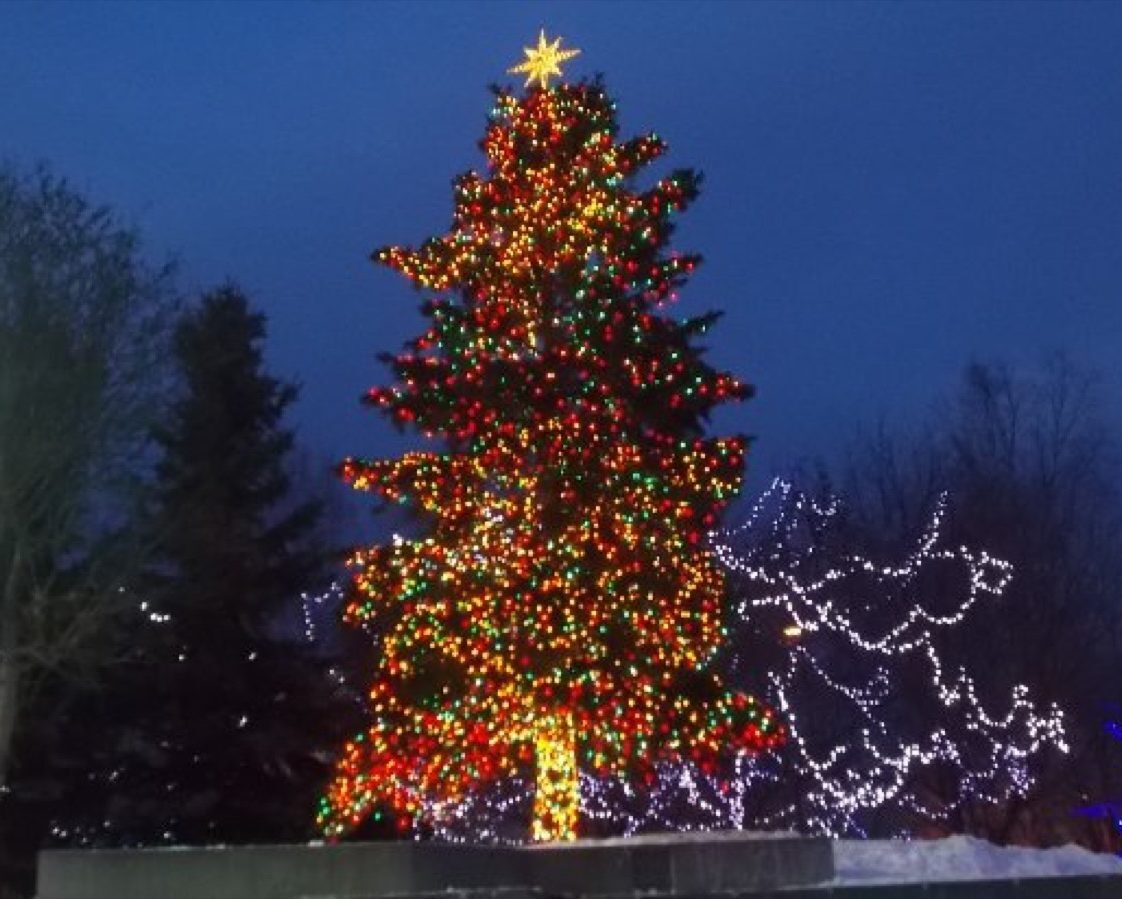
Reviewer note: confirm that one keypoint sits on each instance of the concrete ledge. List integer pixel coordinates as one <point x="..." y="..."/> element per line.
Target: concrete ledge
<point x="272" y="872"/>
<point x="683" y="864"/>
<point x="690" y="866"/>
<point x="673" y="865"/>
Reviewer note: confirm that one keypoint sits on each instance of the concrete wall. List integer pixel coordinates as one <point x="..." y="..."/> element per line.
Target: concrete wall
<point x="687" y="866"/>
<point x="684" y="865"/>
<point x="271" y="872"/>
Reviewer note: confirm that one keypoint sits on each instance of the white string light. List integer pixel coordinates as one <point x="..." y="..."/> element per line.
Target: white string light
<point x="779" y="563"/>
<point x="312" y="606"/>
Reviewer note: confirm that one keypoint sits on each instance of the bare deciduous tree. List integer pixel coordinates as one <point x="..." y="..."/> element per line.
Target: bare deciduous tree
<point x="82" y="324"/>
<point x="1031" y="466"/>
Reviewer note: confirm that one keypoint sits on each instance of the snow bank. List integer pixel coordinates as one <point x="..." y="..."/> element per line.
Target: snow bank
<point x="960" y="858"/>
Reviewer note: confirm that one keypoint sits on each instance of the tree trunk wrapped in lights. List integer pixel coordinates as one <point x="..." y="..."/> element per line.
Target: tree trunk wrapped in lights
<point x="562" y="613"/>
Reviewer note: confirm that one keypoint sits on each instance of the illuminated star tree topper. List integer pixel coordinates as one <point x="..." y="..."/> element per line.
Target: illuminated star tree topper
<point x="543" y="61"/>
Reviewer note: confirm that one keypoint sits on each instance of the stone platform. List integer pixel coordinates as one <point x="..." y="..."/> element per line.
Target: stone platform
<point x="672" y="865"/>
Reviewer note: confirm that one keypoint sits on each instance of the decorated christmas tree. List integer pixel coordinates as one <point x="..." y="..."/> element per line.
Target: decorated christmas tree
<point x="562" y="613"/>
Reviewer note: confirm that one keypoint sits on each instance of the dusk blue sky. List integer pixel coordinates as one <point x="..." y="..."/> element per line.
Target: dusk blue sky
<point x="891" y="189"/>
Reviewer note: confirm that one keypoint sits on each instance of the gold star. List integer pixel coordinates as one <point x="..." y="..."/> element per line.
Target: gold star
<point x="543" y="61"/>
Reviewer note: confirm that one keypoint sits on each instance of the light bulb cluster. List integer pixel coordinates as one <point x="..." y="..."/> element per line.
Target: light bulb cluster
<point x="565" y="576"/>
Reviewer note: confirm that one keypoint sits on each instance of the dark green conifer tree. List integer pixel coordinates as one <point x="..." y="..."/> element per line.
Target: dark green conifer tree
<point x="219" y="709"/>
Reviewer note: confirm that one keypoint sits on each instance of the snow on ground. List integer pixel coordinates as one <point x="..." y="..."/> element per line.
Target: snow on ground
<point x="960" y="858"/>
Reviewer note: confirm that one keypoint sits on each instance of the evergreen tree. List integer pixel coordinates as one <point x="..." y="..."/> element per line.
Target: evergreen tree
<point x="562" y="615"/>
<point x="217" y="711"/>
